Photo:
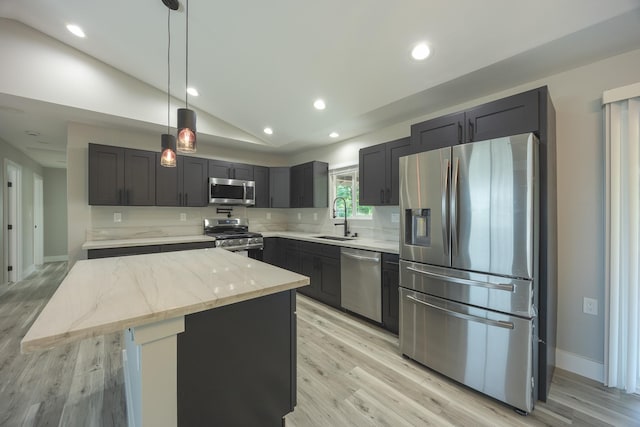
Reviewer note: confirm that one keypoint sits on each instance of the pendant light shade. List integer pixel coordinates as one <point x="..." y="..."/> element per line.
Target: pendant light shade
<point x="186" y="131"/>
<point x="168" y="156"/>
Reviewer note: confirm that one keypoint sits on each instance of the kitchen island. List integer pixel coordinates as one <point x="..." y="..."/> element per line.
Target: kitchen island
<point x="209" y="334"/>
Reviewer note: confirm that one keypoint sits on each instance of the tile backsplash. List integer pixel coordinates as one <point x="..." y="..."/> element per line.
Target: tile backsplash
<point x="155" y="221"/>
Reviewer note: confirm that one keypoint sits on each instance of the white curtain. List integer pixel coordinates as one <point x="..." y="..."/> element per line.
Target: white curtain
<point x="622" y="304"/>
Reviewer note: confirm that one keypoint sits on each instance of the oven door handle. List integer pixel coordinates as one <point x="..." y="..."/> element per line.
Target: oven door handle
<point x="464" y="316"/>
<point x="459" y="280"/>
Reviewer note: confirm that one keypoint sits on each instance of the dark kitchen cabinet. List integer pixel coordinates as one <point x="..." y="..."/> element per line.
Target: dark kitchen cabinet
<point x="279" y="188"/>
<point x="273" y="251"/>
<point x="261" y="178"/>
<point x="291" y="255"/>
<point x="379" y="172"/>
<point x="507" y="116"/>
<point x="321" y="263"/>
<point x="121" y="176"/>
<point x="184" y="185"/>
<point x="222" y="169"/>
<point x="124" y="251"/>
<point x="174" y="247"/>
<point x="310" y="185"/>
<point x="390" y="294"/>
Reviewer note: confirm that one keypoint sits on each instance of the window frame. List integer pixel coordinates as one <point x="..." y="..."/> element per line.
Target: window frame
<point x="354" y="171"/>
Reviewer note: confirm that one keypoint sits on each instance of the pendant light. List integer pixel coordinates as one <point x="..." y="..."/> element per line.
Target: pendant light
<point x="186" y="117"/>
<point x="168" y="141"/>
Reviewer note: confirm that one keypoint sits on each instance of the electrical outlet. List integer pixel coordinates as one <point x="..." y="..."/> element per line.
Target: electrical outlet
<point x="117" y="217"/>
<point x="183" y="216"/>
<point x="395" y="218"/>
<point x="299" y="216"/>
<point x="590" y="306"/>
<point x="315" y="216"/>
<point x="268" y="215"/>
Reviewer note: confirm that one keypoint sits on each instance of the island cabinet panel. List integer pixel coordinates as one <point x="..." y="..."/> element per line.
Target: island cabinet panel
<point x="121" y="176"/>
<point x="222" y="169"/>
<point x="390" y="295"/>
<point x="279" y="187"/>
<point x="261" y="178"/>
<point x="237" y="364"/>
<point x="124" y="251"/>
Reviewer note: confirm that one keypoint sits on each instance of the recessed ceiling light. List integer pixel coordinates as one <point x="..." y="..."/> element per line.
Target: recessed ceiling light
<point x="421" y="51"/>
<point x="268" y="131"/>
<point x="319" y="104"/>
<point x="76" y="30"/>
<point x="192" y="91"/>
<point x="334" y="134"/>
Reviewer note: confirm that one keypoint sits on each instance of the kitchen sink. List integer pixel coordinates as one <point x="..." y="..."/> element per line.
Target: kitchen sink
<point x="341" y="239"/>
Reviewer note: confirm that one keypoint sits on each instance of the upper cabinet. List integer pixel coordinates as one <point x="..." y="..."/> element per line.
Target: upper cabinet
<point x="261" y="178"/>
<point x="222" y="169"/>
<point x="184" y="185"/>
<point x="279" y="187"/>
<point x="379" y="172"/>
<point x="310" y="185"/>
<point x="121" y="176"/>
<point x="507" y="116"/>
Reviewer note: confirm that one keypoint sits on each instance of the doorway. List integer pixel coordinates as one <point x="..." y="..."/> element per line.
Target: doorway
<point x="38" y="217"/>
<point x="13" y="208"/>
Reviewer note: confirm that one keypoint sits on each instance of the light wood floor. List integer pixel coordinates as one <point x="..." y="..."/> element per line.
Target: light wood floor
<point x="349" y="374"/>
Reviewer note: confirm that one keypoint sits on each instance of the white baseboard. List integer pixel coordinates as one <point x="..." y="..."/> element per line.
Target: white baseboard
<point x="580" y="365"/>
<point x="56" y="258"/>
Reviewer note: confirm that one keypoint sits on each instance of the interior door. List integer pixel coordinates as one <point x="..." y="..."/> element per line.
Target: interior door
<point x="424" y="208"/>
<point x="494" y="205"/>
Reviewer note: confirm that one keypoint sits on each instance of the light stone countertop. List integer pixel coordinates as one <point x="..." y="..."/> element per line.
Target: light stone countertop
<point x="145" y="241"/>
<point x="357" y="243"/>
<point x="102" y="296"/>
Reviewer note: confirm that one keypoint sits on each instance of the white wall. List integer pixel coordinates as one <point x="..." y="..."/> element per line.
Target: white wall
<point x="576" y="95"/>
<point x="55" y="214"/>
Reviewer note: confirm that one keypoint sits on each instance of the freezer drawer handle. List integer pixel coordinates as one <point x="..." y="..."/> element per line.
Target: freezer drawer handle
<point x="361" y="258"/>
<point x="498" y="323"/>
<point x="501" y="286"/>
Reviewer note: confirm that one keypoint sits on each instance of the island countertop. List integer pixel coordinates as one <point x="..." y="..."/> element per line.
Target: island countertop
<point x="102" y="296"/>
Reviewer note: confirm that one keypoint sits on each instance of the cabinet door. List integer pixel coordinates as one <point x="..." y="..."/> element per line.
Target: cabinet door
<point x="508" y="116"/>
<point x="168" y="183"/>
<point x="195" y="181"/>
<point x="371" y="168"/>
<point x="436" y="133"/>
<point x="220" y="169"/>
<point x="139" y="177"/>
<point x="106" y="175"/>
<point x="242" y="171"/>
<point x="329" y="280"/>
<point x="390" y="292"/>
<point x="261" y="177"/>
<point x="394" y="150"/>
<point x="279" y="190"/>
<point x="309" y="268"/>
<point x="291" y="259"/>
<point x="273" y="251"/>
<point x="296" y="187"/>
<point x="307" y="185"/>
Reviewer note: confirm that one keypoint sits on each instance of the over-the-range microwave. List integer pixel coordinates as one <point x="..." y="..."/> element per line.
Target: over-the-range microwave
<point x="224" y="191"/>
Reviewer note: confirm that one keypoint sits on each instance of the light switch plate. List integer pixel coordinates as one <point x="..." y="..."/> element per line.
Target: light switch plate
<point x="117" y="217"/>
<point x="299" y="216"/>
<point x="268" y="215"/>
<point x="183" y="216"/>
<point x="395" y="218"/>
<point x="590" y="306"/>
<point x="315" y="216"/>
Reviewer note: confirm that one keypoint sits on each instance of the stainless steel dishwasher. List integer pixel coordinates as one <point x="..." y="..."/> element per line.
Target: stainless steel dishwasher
<point x="361" y="287"/>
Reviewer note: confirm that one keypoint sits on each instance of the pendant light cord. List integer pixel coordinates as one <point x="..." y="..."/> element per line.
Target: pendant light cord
<point x="168" y="70"/>
<point x="186" y="97"/>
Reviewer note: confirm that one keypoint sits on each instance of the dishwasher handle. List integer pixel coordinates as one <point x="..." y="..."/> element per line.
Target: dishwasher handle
<point x="361" y="258"/>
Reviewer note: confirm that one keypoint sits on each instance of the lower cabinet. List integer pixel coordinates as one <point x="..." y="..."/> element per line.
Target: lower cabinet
<point x="149" y="249"/>
<point x="322" y="264"/>
<point x="390" y="295"/>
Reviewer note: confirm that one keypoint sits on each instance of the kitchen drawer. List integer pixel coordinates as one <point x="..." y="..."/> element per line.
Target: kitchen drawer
<point x="488" y="351"/>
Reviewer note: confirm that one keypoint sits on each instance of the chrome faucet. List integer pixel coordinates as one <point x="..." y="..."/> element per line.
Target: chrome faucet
<point x="346" y="230"/>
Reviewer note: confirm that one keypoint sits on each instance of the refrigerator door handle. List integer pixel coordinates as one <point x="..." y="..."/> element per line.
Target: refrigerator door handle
<point x="445" y="207"/>
<point x="459" y="280"/>
<point x="498" y="323"/>
<point x="454" y="209"/>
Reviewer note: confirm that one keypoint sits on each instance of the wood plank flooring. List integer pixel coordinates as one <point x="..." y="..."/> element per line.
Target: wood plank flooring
<point x="349" y="374"/>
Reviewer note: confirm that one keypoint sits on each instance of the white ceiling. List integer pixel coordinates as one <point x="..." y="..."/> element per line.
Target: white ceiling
<point x="262" y="63"/>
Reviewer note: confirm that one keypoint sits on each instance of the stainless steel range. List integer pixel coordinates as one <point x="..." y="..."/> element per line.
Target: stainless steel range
<point x="233" y="234"/>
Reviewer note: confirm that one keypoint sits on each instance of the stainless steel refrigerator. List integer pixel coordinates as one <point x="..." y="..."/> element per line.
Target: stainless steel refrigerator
<point x="469" y="264"/>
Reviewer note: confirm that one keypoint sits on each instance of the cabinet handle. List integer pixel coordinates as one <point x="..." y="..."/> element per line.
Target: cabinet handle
<point x="382" y="196"/>
<point x="459" y="133"/>
<point x="120" y="197"/>
<point x="470" y="130"/>
<point x="186" y="199"/>
<point x="271" y="202"/>
<point x="388" y="198"/>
